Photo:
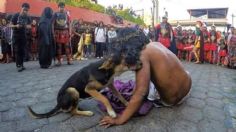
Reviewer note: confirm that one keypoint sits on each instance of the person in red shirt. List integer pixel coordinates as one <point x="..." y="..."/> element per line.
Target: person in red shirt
<point x="61" y="31"/>
<point x="206" y="44"/>
<point x="33" y="45"/>
<point x="213" y="45"/>
<point x="165" y="33"/>
<point x="179" y="41"/>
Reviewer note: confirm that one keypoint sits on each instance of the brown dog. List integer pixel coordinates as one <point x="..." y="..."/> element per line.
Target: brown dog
<point x="85" y="83"/>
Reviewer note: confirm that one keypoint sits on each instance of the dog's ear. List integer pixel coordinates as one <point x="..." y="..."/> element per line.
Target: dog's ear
<point x="107" y="64"/>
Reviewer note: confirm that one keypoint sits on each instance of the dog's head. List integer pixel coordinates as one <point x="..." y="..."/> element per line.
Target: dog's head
<point x="126" y="51"/>
<point x="119" y="65"/>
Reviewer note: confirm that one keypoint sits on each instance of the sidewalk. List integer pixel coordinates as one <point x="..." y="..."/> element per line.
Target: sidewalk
<point x="210" y="108"/>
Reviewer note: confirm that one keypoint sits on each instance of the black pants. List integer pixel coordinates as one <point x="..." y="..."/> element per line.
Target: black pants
<point x="20" y="43"/>
<point x="99" y="49"/>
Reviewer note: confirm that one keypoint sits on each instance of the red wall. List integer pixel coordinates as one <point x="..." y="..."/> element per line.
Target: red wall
<point x="37" y="6"/>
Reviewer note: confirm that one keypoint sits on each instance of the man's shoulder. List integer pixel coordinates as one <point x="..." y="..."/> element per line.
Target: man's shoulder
<point x="15" y="15"/>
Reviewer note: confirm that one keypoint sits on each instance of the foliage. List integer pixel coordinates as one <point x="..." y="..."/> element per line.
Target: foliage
<point x="86" y="4"/>
<point x="125" y="14"/>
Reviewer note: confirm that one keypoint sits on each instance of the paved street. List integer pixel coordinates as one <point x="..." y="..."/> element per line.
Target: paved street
<point x="210" y="108"/>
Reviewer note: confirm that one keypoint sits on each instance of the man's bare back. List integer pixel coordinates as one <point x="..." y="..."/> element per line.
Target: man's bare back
<point x="161" y="67"/>
<point x="166" y="72"/>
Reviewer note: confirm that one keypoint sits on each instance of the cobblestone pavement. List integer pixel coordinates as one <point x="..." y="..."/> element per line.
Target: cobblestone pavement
<point x="210" y="108"/>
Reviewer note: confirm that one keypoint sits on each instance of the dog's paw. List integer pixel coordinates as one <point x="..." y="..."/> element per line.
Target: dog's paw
<point x="126" y="103"/>
<point x="112" y="113"/>
<point x="89" y="113"/>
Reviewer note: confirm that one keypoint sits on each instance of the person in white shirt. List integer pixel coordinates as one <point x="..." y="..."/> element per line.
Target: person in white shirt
<point x="111" y="37"/>
<point x="100" y="39"/>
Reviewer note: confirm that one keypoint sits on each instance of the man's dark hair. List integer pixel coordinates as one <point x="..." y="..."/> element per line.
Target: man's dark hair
<point x="61" y="4"/>
<point x="129" y="43"/>
<point x="25" y="5"/>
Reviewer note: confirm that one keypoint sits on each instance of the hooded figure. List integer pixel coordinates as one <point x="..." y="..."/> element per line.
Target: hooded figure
<point x="46" y="44"/>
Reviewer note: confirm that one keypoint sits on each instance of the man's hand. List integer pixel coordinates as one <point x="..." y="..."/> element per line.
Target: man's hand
<point x="108" y="121"/>
<point x="18" y="26"/>
<point x="28" y="26"/>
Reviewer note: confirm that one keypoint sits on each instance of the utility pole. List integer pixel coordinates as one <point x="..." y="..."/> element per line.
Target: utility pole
<point x="233" y="19"/>
<point x="155" y="12"/>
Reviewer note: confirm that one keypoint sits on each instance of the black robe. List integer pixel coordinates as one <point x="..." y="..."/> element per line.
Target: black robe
<point x="47" y="48"/>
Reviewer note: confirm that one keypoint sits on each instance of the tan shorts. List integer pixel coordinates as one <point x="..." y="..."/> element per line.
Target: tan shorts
<point x="153" y="95"/>
<point x="180" y="102"/>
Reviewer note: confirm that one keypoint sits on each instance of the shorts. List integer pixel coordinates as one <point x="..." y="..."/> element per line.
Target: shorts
<point x="154" y="97"/>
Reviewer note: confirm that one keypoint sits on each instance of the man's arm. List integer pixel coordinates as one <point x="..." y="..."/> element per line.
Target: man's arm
<point x="12" y="25"/>
<point x="142" y="83"/>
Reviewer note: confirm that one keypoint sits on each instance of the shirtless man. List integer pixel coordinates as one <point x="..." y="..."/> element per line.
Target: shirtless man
<point x="166" y="72"/>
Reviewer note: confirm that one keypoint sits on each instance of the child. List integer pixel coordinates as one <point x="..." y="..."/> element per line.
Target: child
<point x="6" y="41"/>
<point x="87" y="44"/>
<point x="222" y="51"/>
<point x="33" y="45"/>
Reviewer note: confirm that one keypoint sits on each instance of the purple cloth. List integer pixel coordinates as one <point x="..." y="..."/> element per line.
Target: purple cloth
<point x="126" y="90"/>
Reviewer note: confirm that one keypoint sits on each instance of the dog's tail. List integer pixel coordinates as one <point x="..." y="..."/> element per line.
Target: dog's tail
<point x="53" y="112"/>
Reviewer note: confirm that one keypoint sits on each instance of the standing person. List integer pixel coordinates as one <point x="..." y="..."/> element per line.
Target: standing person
<point x="20" y="22"/>
<point x="207" y="46"/>
<point x="146" y="30"/>
<point x="87" y="44"/>
<point x="100" y="39"/>
<point x="47" y="48"/>
<point x="165" y="34"/>
<point x="190" y="44"/>
<point x="6" y="41"/>
<point x="213" y="44"/>
<point x="198" y="49"/>
<point x="222" y="51"/>
<point x="1" y="55"/>
<point x="61" y="29"/>
<point x="79" y="31"/>
<point x="179" y="41"/>
<point x="231" y="42"/>
<point x="33" y="42"/>
<point x="111" y="37"/>
<point x="74" y="37"/>
<point x="94" y="25"/>
<point x="151" y="34"/>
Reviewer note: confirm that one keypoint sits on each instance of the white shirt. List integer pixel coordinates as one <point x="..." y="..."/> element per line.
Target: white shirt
<point x="146" y="31"/>
<point x="111" y="35"/>
<point x="100" y="35"/>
